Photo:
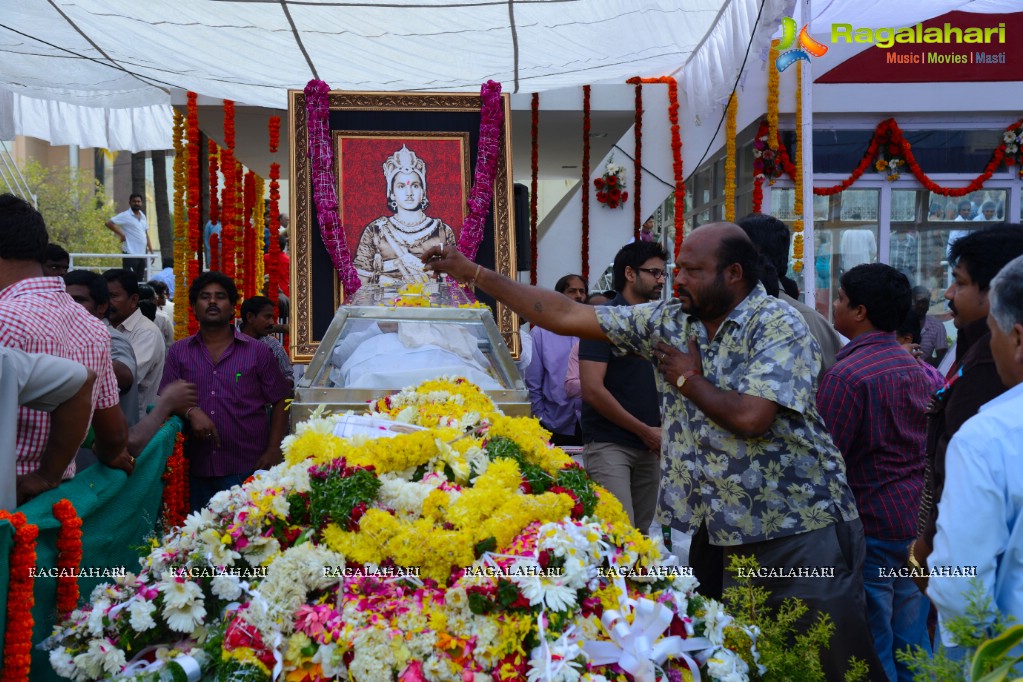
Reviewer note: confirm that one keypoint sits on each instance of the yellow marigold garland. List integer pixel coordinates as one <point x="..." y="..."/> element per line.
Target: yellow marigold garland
<point x="772" y="97"/>
<point x="181" y="307"/>
<point x="797" y="181"/>
<point x="733" y="108"/>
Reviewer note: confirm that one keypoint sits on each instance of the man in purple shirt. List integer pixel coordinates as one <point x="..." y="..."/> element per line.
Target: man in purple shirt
<point x="545" y="376"/>
<point x="873" y="401"/>
<point x="236" y="377"/>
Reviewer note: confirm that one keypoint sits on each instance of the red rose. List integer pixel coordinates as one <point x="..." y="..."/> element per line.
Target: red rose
<point x="625" y="197"/>
<point x="1009" y="160"/>
<point x="612" y="181"/>
<point x="599" y="183"/>
<point x="602" y="197"/>
<point x="615" y="194"/>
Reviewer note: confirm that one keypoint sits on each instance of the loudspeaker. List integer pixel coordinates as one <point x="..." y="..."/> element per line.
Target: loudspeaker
<point x="521" y="199"/>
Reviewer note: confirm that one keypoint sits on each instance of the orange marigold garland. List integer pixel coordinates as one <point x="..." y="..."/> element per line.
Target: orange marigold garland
<point x="259" y="225"/>
<point x="586" y="185"/>
<point x="20" y="598"/>
<point x="676" y="155"/>
<point x="181" y="308"/>
<point x="798" y="179"/>
<point x="533" y="184"/>
<point x="69" y="555"/>
<point x="275" y="133"/>
<point x="214" y="157"/>
<point x="175" y="489"/>
<point x="195" y="246"/>
<point x="274" y="272"/>
<point x="239" y="221"/>
<point x="637" y="168"/>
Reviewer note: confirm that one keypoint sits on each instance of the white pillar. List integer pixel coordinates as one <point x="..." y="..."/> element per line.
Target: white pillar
<point x="806" y="159"/>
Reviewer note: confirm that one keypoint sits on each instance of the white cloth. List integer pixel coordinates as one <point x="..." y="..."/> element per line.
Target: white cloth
<point x="135" y="230"/>
<point x="166" y="326"/>
<point x="150" y="354"/>
<point x="394" y="360"/>
<point x="858" y="246"/>
<point x="41" y="382"/>
<point x="980" y="515"/>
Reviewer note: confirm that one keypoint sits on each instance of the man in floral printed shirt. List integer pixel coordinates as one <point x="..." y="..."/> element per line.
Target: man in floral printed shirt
<point x="747" y="460"/>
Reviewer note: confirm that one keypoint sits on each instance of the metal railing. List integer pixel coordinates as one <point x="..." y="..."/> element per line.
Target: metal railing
<point x="116" y="260"/>
<point x="12" y="176"/>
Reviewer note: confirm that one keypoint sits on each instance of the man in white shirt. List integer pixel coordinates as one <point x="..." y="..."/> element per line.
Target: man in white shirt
<point x="146" y="338"/>
<point x="984" y="477"/>
<point x="131" y="228"/>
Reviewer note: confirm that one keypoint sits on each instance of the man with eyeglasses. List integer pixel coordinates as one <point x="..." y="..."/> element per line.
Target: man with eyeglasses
<point x="748" y="464"/>
<point x="621" y="415"/>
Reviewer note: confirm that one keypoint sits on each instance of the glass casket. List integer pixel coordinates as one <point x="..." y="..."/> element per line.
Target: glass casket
<point x="387" y="339"/>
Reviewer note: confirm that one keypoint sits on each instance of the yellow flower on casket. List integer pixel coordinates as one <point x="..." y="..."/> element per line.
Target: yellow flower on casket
<point x="244" y="654"/>
<point x="609" y="509"/>
<point x="532" y="439"/>
<point x="407" y="451"/>
<point x="315" y="445"/>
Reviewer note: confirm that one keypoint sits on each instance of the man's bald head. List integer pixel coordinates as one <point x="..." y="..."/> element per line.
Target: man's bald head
<point x="729" y="245"/>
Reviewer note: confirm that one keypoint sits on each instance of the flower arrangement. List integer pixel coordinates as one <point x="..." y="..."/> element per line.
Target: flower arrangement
<point x="891" y="156"/>
<point x="488" y="151"/>
<point x="1012" y="138"/>
<point x="765" y="159"/>
<point x="174" y="506"/>
<point x="461" y="546"/>
<point x="611" y="185"/>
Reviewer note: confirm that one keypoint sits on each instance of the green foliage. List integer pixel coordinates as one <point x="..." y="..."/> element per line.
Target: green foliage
<point x="788" y="653"/>
<point x="987" y="636"/>
<point x="333" y="496"/>
<point x="578" y="482"/>
<point x="538" y="479"/>
<point x="75" y="208"/>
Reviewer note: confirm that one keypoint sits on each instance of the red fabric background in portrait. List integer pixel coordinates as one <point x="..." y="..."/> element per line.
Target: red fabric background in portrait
<point x="363" y="187"/>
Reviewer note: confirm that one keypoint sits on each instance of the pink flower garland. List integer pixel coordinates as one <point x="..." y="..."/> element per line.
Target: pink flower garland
<point x="321" y="157"/>
<point x="487" y="153"/>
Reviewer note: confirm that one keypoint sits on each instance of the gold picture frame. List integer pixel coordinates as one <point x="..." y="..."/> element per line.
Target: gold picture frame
<point x="396" y="115"/>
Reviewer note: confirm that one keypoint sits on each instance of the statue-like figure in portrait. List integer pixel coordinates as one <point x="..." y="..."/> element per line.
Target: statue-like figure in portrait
<point x="390" y="246"/>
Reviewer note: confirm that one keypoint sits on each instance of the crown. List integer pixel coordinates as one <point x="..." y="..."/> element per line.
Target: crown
<point x="404" y="161"/>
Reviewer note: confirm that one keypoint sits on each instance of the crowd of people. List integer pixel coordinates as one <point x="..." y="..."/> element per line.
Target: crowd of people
<point x="835" y="454"/>
<point x="111" y="337"/>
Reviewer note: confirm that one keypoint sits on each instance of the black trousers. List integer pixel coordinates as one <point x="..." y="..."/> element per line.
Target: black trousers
<point x="136" y="265"/>
<point x="840" y="547"/>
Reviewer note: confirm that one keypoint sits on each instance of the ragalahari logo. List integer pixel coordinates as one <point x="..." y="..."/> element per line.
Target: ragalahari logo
<point x="807" y="45"/>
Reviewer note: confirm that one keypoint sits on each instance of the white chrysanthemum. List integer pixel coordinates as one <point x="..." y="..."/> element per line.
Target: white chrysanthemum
<point x="456" y="598"/>
<point x="406" y="497"/>
<point x="260" y="549"/>
<point x="686" y="584"/>
<point x="180" y="593"/>
<point x="715" y="620"/>
<point x="197" y="521"/>
<point x="296" y="479"/>
<point x="727" y="666"/>
<point x="563" y="661"/>
<point x="141" y="611"/>
<point x="478" y="460"/>
<point x="292" y="576"/>
<point x="554" y="592"/>
<point x="373" y="659"/>
<point x="330" y="661"/>
<point x="186" y="618"/>
<point x="95" y="622"/>
<point x="101" y="659"/>
<point x="62" y="661"/>
<point x="226" y="587"/>
<point x="213" y="547"/>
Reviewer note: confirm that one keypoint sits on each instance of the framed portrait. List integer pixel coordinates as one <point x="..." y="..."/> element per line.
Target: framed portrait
<point x="404" y="165"/>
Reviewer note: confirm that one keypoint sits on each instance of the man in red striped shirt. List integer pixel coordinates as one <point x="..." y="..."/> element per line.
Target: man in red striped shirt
<point x="236" y="377"/>
<point x="873" y="401"/>
<point x="38" y="316"/>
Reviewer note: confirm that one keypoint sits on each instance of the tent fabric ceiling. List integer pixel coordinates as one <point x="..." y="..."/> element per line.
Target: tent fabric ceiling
<point x="63" y="58"/>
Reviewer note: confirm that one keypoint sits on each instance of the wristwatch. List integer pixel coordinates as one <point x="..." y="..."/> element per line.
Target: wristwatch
<point x="684" y="377"/>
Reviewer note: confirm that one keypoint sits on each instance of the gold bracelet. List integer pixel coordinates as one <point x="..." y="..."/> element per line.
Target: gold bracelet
<point x="911" y="559"/>
<point x="472" y="282"/>
<point x="189" y="411"/>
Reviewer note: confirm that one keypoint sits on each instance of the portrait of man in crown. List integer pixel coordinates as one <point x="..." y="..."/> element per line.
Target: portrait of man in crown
<point x="389" y="247"/>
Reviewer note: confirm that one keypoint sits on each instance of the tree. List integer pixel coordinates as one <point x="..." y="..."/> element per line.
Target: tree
<point x="138" y="174"/>
<point x="75" y="207"/>
<point x="164" y="226"/>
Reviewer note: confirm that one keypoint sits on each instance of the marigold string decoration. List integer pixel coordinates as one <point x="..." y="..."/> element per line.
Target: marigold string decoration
<point x="240" y="223"/>
<point x="586" y="185"/>
<point x="730" y="116"/>
<point x="214" y="263"/>
<point x="274" y="127"/>
<point x="321" y="158"/>
<point x="249" y="253"/>
<point x="274" y="272"/>
<point x="175" y="490"/>
<point x="69" y="555"/>
<point x="676" y="155"/>
<point x="228" y="219"/>
<point x="195" y="247"/>
<point x="214" y="158"/>
<point x="488" y="151"/>
<point x="772" y="97"/>
<point x="259" y="225"/>
<point x="798" y="179"/>
<point x="181" y="242"/>
<point x="637" y="166"/>
<point x="20" y="598"/>
<point x="534" y="183"/>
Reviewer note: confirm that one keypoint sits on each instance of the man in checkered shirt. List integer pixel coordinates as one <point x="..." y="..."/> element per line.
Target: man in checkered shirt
<point x="37" y="316"/>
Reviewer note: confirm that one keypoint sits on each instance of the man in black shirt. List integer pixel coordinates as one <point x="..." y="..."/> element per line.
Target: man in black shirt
<point x="621" y="418"/>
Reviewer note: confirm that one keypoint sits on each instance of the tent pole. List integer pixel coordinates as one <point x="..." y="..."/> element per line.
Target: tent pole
<point x="806" y="159"/>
